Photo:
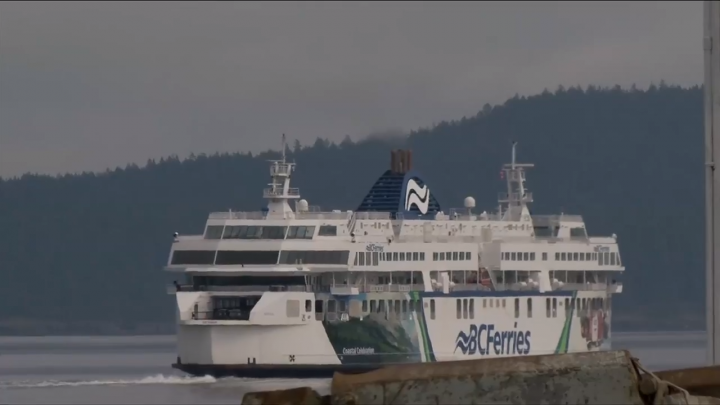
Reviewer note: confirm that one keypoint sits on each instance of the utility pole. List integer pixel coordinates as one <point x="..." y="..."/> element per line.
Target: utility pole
<point x="711" y="46"/>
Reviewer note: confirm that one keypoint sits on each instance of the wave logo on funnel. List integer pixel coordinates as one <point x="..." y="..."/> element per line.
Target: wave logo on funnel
<point x="418" y="196"/>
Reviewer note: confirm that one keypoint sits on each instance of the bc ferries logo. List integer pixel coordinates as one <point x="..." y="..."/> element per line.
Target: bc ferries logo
<point x="485" y="339"/>
<point x="418" y="196"/>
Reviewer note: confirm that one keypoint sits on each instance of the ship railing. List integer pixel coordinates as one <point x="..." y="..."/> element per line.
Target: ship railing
<point x="263" y="215"/>
<point x="564" y="287"/>
<point x="462" y="214"/>
<point x="172" y="288"/>
<point x="238" y="215"/>
<point x="239" y="288"/>
<point x="323" y="215"/>
<point x="553" y="219"/>
<point x="372" y="215"/>
<point x="280" y="192"/>
<point x="515" y="196"/>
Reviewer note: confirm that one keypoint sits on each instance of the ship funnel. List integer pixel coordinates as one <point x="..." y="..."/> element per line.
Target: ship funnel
<point x="400" y="161"/>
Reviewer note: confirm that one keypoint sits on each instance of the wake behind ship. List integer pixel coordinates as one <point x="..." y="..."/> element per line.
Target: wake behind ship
<point x="303" y="293"/>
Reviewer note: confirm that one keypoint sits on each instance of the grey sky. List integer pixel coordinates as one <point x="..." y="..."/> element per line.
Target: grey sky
<point x="88" y="85"/>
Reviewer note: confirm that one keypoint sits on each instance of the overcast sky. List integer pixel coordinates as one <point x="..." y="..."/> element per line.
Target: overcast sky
<point x="88" y="85"/>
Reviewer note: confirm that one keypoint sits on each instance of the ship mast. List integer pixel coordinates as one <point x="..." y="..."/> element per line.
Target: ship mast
<point x="517" y="197"/>
<point x="280" y="193"/>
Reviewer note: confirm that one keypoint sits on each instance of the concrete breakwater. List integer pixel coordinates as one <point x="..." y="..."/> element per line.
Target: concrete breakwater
<point x="612" y="377"/>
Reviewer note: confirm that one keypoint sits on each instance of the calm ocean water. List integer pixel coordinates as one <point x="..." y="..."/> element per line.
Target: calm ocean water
<point x="136" y="369"/>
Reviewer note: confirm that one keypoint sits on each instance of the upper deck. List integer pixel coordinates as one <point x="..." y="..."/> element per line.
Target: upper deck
<point x="399" y="218"/>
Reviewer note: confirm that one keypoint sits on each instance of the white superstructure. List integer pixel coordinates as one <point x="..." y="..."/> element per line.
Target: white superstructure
<point x="301" y="292"/>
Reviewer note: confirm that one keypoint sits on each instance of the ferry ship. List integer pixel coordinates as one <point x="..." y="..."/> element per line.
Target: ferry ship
<point x="304" y="293"/>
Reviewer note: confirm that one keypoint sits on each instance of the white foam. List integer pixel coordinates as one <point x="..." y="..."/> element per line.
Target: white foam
<point x="151" y="380"/>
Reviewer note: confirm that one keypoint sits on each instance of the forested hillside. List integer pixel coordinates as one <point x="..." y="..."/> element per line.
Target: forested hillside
<point x="83" y="253"/>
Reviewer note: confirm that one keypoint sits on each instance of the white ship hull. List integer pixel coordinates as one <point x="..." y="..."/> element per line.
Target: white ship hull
<point x="318" y="348"/>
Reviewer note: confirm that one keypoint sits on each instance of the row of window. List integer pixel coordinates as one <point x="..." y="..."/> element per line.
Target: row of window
<point x="465" y="307"/>
<point x="374" y="258"/>
<point x="581" y="306"/>
<point x="250" y="257"/>
<point x="267" y="232"/>
<point x="521" y="256"/>
<point x="454" y="256"/>
<point x="604" y="258"/>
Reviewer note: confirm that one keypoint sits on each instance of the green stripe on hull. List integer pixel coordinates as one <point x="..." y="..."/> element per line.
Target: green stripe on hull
<point x="564" y="342"/>
<point x="424" y="334"/>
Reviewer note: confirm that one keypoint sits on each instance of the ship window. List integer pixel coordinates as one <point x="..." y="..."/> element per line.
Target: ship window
<point x="316" y="257"/>
<point x="484" y="303"/>
<point x="416" y="256"/>
<point x="563" y="256"/>
<point x="198" y="257"/>
<point x="301" y="232"/>
<point x="432" y="309"/>
<point x="472" y="308"/>
<point x="513" y="256"/>
<point x="578" y="308"/>
<point x="408" y="256"/>
<point x="557" y="256"/>
<point x="526" y="256"/>
<point x="404" y="306"/>
<point x="342" y="306"/>
<point x="601" y="259"/>
<point x="214" y="231"/>
<point x="435" y="256"/>
<point x="381" y="306"/>
<point x="273" y="232"/>
<point x="547" y="307"/>
<point x="577" y="233"/>
<point x="243" y="257"/>
<point x="395" y="256"/>
<point x="517" y="307"/>
<point x="458" y="311"/>
<point x="308" y="306"/>
<point x="529" y="307"/>
<point x="331" y="306"/>
<point x="532" y="255"/>
<point x="318" y="306"/>
<point x="554" y="307"/>
<point x="491" y="303"/>
<point x="582" y="256"/>
<point x="455" y="256"/>
<point x="468" y="255"/>
<point x="327" y="230"/>
<point x="575" y="256"/>
<point x="422" y="255"/>
<point x="567" y="307"/>
<point x="368" y="258"/>
<point x="388" y="257"/>
<point x="402" y="256"/>
<point x="612" y="258"/>
<point x="442" y="256"/>
<point x="448" y="256"/>
<point x="361" y="258"/>
<point x="375" y="257"/>
<point x="373" y="306"/>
